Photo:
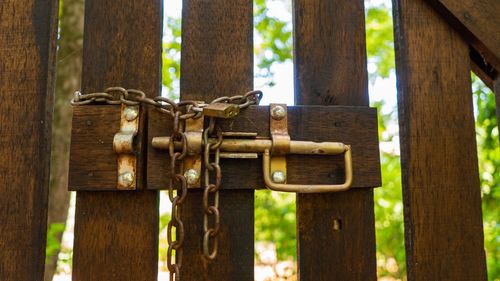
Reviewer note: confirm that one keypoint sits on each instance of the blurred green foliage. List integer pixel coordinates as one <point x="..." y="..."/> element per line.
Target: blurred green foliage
<point x="275" y="221"/>
<point x="379" y="41"/>
<point x="489" y="170"/>
<point x="53" y="244"/>
<point x="171" y="56"/>
<point x="275" y="43"/>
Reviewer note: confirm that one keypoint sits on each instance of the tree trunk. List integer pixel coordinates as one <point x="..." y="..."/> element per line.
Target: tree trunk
<point x="68" y="75"/>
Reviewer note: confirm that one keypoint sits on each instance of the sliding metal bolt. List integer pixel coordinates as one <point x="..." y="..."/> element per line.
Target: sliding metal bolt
<point x="126" y="179"/>
<point x="279" y="177"/>
<point x="191" y="176"/>
<point x="131" y="112"/>
<point x="278" y="112"/>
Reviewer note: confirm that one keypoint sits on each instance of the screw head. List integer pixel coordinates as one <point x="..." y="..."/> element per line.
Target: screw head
<point x="278" y="112"/>
<point x="279" y="177"/>
<point x="126" y="179"/>
<point x="191" y="176"/>
<point x="131" y="113"/>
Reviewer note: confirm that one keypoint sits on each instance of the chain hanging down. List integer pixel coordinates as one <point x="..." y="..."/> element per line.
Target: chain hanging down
<point x="210" y="233"/>
<point x="178" y="183"/>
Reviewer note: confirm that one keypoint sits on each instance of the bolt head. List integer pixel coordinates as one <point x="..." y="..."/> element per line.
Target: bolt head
<point x="191" y="176"/>
<point x="126" y="179"/>
<point x="279" y="177"/>
<point x="131" y="113"/>
<point x="278" y="112"/>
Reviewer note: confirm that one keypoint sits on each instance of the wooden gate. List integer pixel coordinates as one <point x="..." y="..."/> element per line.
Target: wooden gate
<point x="116" y="232"/>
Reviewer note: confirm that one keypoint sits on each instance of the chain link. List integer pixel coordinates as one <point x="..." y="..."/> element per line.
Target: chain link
<point x="190" y="109"/>
<point x="178" y="184"/>
<point x="210" y="233"/>
<point x="177" y="190"/>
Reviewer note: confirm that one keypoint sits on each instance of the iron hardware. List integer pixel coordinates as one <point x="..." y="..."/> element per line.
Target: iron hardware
<point x="274" y="151"/>
<point x="185" y="163"/>
<point x="260" y="145"/>
<point x="195" y="140"/>
<point x="221" y="110"/>
<point x="123" y="144"/>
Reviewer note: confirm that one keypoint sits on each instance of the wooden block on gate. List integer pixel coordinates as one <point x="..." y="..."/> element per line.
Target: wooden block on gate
<point x="355" y="126"/>
<point x="93" y="162"/>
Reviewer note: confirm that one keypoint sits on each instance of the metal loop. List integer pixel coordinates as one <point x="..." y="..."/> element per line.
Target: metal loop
<point x="206" y="247"/>
<point x="221" y="100"/>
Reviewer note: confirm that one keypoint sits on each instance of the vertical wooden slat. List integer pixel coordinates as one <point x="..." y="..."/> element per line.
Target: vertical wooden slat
<point x="27" y="61"/>
<point x="330" y="69"/>
<point x="217" y="60"/>
<point x="441" y="194"/>
<point x="116" y="233"/>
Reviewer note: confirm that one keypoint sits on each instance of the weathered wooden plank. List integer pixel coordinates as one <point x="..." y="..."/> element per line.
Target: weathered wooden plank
<point x="93" y="161"/>
<point x="116" y="233"/>
<point x="217" y="60"/>
<point x="356" y="126"/>
<point x="441" y="194"/>
<point x="27" y="62"/>
<point x="330" y="69"/>
<point x="477" y="21"/>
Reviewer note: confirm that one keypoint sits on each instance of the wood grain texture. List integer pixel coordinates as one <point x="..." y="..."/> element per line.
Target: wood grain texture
<point x="477" y="21"/>
<point x="116" y="233"/>
<point x="356" y="126"/>
<point x="27" y="62"/>
<point x="217" y="60"/>
<point x="330" y="69"/>
<point x="93" y="161"/>
<point x="441" y="193"/>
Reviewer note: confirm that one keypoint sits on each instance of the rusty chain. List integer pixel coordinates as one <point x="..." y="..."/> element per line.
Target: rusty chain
<point x="178" y="183"/>
<point x="177" y="191"/>
<point x="190" y="109"/>
<point x="211" y="188"/>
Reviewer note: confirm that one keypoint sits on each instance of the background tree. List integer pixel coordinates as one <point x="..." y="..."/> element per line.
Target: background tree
<point x="68" y="75"/>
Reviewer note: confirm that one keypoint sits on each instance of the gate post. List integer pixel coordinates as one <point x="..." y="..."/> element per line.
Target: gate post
<point x="217" y="60"/>
<point x="116" y="233"/>
<point x="27" y="61"/>
<point x="336" y="232"/>
<point x="441" y="190"/>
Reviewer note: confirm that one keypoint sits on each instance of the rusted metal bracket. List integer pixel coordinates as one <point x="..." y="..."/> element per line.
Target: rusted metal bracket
<point x="278" y="125"/>
<point x="274" y="168"/>
<point x="123" y="144"/>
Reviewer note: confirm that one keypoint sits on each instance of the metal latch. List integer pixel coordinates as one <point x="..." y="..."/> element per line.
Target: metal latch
<point x="274" y="167"/>
<point x="123" y="144"/>
<point x="274" y="151"/>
